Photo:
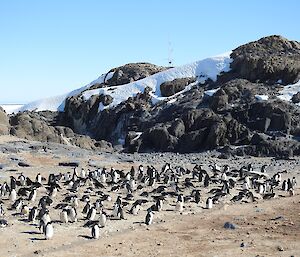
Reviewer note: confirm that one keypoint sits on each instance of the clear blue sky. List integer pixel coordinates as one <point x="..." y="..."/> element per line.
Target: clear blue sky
<point x="51" y="47"/>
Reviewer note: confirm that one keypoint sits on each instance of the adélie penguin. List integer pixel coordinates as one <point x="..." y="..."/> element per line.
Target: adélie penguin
<point x="209" y="203"/>
<point x="149" y="217"/>
<point x="48" y="231"/>
<point x="95" y="231"/>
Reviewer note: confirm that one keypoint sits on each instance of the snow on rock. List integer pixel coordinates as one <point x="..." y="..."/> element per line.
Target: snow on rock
<point x="262" y="97"/>
<point x="211" y="92"/>
<point x="57" y="103"/>
<point x="288" y="91"/>
<point x="203" y="69"/>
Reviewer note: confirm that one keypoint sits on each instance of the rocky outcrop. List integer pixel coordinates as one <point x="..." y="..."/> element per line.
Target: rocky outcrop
<point x="172" y="87"/>
<point x="236" y="119"/>
<point x="296" y="98"/>
<point x="4" y="123"/>
<point x="45" y="127"/>
<point x="269" y="59"/>
<point x="132" y="72"/>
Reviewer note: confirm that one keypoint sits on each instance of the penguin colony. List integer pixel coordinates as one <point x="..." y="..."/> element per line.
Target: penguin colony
<point x="88" y="195"/>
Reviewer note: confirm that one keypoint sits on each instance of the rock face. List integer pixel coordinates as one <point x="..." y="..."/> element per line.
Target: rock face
<point x="172" y="87"/>
<point x="296" y="98"/>
<point x="234" y="120"/>
<point x="44" y="127"/>
<point x="4" y="123"/>
<point x="269" y="59"/>
<point x="129" y="73"/>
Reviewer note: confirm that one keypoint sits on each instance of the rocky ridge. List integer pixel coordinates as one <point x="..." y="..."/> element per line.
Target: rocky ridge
<point x="234" y="119"/>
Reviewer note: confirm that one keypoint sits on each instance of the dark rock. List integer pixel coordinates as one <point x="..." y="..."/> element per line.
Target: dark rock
<point x="269" y="59"/>
<point x="69" y="164"/>
<point x="193" y="141"/>
<point x="45" y="127"/>
<point x="229" y="225"/>
<point x="133" y="141"/>
<point x="132" y="72"/>
<point x="23" y="164"/>
<point x="177" y="128"/>
<point x="159" y="138"/>
<point x="296" y="98"/>
<point x="172" y="87"/>
<point x="219" y="100"/>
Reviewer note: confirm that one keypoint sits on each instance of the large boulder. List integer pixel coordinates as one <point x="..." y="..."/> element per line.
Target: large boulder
<point x="4" y="123"/>
<point x="132" y="72"/>
<point x="159" y="138"/>
<point x="296" y="98"/>
<point x="172" y="87"/>
<point x="219" y="100"/>
<point x="269" y="59"/>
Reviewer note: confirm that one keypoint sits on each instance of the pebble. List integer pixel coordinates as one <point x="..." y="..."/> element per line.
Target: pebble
<point x="280" y="248"/>
<point x="229" y="225"/>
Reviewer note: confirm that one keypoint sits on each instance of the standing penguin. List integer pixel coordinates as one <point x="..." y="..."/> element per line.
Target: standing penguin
<point x="25" y="209"/>
<point x="72" y="214"/>
<point x="2" y="212"/>
<point x="159" y="204"/>
<point x="33" y="214"/>
<point x="22" y="179"/>
<point x="197" y="196"/>
<point x="179" y="204"/>
<point x="38" y="178"/>
<point x="46" y="217"/>
<point x="102" y="219"/>
<point x="95" y="231"/>
<point x="32" y="195"/>
<point x="284" y="185"/>
<point x="48" y="231"/>
<point x="13" y="195"/>
<point x="64" y="216"/>
<point x="261" y="188"/>
<point x="206" y="180"/>
<point x="91" y="214"/>
<point x="209" y="203"/>
<point x="294" y="182"/>
<point x="149" y="217"/>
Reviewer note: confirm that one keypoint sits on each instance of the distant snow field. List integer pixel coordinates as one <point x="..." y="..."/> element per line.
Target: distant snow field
<point x="11" y="108"/>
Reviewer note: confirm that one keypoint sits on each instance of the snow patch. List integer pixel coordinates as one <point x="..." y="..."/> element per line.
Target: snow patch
<point x="11" y="108"/>
<point x="57" y="103"/>
<point x="288" y="91"/>
<point x="262" y="97"/>
<point x="211" y="92"/>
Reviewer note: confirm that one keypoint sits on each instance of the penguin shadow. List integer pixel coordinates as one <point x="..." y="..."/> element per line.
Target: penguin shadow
<point x="138" y="222"/>
<point x="86" y="237"/>
<point x="37" y="239"/>
<point x="31" y="232"/>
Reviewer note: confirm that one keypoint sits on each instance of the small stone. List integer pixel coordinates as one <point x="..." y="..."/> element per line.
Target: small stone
<point x="243" y="244"/>
<point x="280" y="248"/>
<point x="37" y="252"/>
<point x="229" y="225"/>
